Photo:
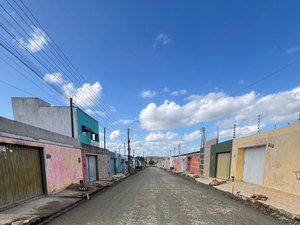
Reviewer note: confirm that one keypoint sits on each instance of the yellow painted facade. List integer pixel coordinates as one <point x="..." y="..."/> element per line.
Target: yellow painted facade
<point x="282" y="157"/>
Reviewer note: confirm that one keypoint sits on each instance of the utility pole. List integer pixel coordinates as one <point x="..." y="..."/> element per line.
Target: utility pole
<point x="217" y="135"/>
<point x="234" y="130"/>
<point x="174" y="151"/>
<point x="104" y="135"/>
<point x="128" y="149"/>
<point x="72" y="121"/>
<point x="124" y="148"/>
<point x="202" y="131"/>
<point x="258" y="124"/>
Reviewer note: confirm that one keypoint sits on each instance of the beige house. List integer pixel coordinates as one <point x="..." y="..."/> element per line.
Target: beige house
<point x="270" y="159"/>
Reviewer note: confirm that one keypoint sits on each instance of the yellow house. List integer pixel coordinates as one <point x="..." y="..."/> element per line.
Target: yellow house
<point x="271" y="159"/>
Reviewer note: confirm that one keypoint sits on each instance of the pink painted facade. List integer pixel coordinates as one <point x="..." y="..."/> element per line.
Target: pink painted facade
<point x="62" y="168"/>
<point x="63" y="165"/>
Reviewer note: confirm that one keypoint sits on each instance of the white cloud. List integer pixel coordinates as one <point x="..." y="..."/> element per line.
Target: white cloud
<point x="177" y="93"/>
<point x="124" y="121"/>
<point x="160" y="137"/>
<point x="53" y="78"/>
<point x="165" y="89"/>
<point x="188" y="138"/>
<point x="87" y="95"/>
<point x="161" y="39"/>
<point x="293" y="50"/>
<point x="36" y="42"/>
<point x="218" y="106"/>
<point x="240" y="131"/>
<point x="116" y="134"/>
<point x="147" y="94"/>
<point x="93" y="112"/>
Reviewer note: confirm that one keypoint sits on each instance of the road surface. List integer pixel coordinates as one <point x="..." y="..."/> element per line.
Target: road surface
<point x="154" y="196"/>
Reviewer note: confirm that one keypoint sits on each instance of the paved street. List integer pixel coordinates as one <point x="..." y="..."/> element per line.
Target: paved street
<point x="154" y="196"/>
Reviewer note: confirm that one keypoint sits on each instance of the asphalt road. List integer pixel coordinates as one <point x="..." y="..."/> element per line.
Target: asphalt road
<point x="154" y="196"/>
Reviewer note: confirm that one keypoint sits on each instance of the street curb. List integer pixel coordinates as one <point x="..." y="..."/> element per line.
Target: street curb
<point x="279" y="214"/>
<point x="47" y="219"/>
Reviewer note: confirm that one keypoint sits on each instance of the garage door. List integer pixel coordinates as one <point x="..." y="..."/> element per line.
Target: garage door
<point x="254" y="164"/>
<point x="223" y="165"/>
<point x="91" y="162"/>
<point x="20" y="174"/>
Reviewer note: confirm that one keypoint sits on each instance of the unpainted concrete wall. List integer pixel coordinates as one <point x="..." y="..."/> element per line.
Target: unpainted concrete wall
<point x="207" y="150"/>
<point x="35" y="112"/>
<point x="281" y="159"/>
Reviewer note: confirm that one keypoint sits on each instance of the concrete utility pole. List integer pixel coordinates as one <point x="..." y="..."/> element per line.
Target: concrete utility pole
<point x="202" y="131"/>
<point x="217" y="135"/>
<point x="258" y="124"/>
<point x="234" y="130"/>
<point x="104" y="136"/>
<point x="128" y="149"/>
<point x="124" y="149"/>
<point x="72" y="121"/>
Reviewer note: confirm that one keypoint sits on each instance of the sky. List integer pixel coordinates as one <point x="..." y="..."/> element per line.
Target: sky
<point x="162" y="68"/>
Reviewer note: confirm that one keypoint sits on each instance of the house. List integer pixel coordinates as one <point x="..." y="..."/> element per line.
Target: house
<point x="80" y="125"/>
<point x="35" y="162"/>
<point x="95" y="163"/>
<point x="270" y="159"/>
<point x="205" y="160"/>
<point x="58" y="119"/>
<point x="220" y="159"/>
<point x="193" y="162"/>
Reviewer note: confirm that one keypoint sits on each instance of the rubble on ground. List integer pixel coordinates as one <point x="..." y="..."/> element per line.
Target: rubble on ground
<point x="259" y="197"/>
<point x="215" y="182"/>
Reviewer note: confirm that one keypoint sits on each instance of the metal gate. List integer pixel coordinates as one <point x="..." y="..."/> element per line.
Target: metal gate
<point x="20" y="174"/>
<point x="91" y="164"/>
<point x="254" y="165"/>
<point x="223" y="166"/>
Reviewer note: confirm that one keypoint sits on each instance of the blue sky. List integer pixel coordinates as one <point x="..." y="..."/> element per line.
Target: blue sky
<point x="171" y="66"/>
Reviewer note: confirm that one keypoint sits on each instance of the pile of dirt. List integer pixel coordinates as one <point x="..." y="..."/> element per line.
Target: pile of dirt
<point x="77" y="187"/>
<point x="259" y="197"/>
<point x="215" y="182"/>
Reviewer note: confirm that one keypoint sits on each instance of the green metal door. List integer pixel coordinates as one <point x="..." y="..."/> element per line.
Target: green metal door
<point x="20" y="174"/>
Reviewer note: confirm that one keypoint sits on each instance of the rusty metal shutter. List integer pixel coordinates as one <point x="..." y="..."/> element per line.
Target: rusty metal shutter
<point x="20" y="174"/>
<point x="223" y="165"/>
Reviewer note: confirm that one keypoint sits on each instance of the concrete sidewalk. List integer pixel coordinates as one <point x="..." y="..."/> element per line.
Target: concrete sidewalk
<point x="39" y="209"/>
<point x="283" y="203"/>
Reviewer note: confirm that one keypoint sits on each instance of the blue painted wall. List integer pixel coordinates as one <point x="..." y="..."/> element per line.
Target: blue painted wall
<point x="119" y="162"/>
<point x="112" y="163"/>
<point x="84" y="119"/>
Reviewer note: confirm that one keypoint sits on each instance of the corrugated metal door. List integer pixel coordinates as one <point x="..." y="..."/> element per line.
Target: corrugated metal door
<point x="254" y="164"/>
<point x="20" y="174"/>
<point x="223" y="165"/>
<point x="91" y="162"/>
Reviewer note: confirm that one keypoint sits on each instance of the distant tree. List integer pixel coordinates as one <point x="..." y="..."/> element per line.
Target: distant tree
<point x="151" y="162"/>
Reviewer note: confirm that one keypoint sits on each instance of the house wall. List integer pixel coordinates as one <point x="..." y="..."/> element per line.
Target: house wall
<point x="215" y="149"/>
<point x="102" y="160"/>
<point x="207" y="151"/>
<point x="62" y="164"/>
<point x="195" y="160"/>
<point x="176" y="164"/>
<point x="281" y="157"/>
<point x="86" y="120"/>
<point x="62" y="154"/>
<point x="32" y="111"/>
<point x="112" y="158"/>
<point x="119" y="163"/>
